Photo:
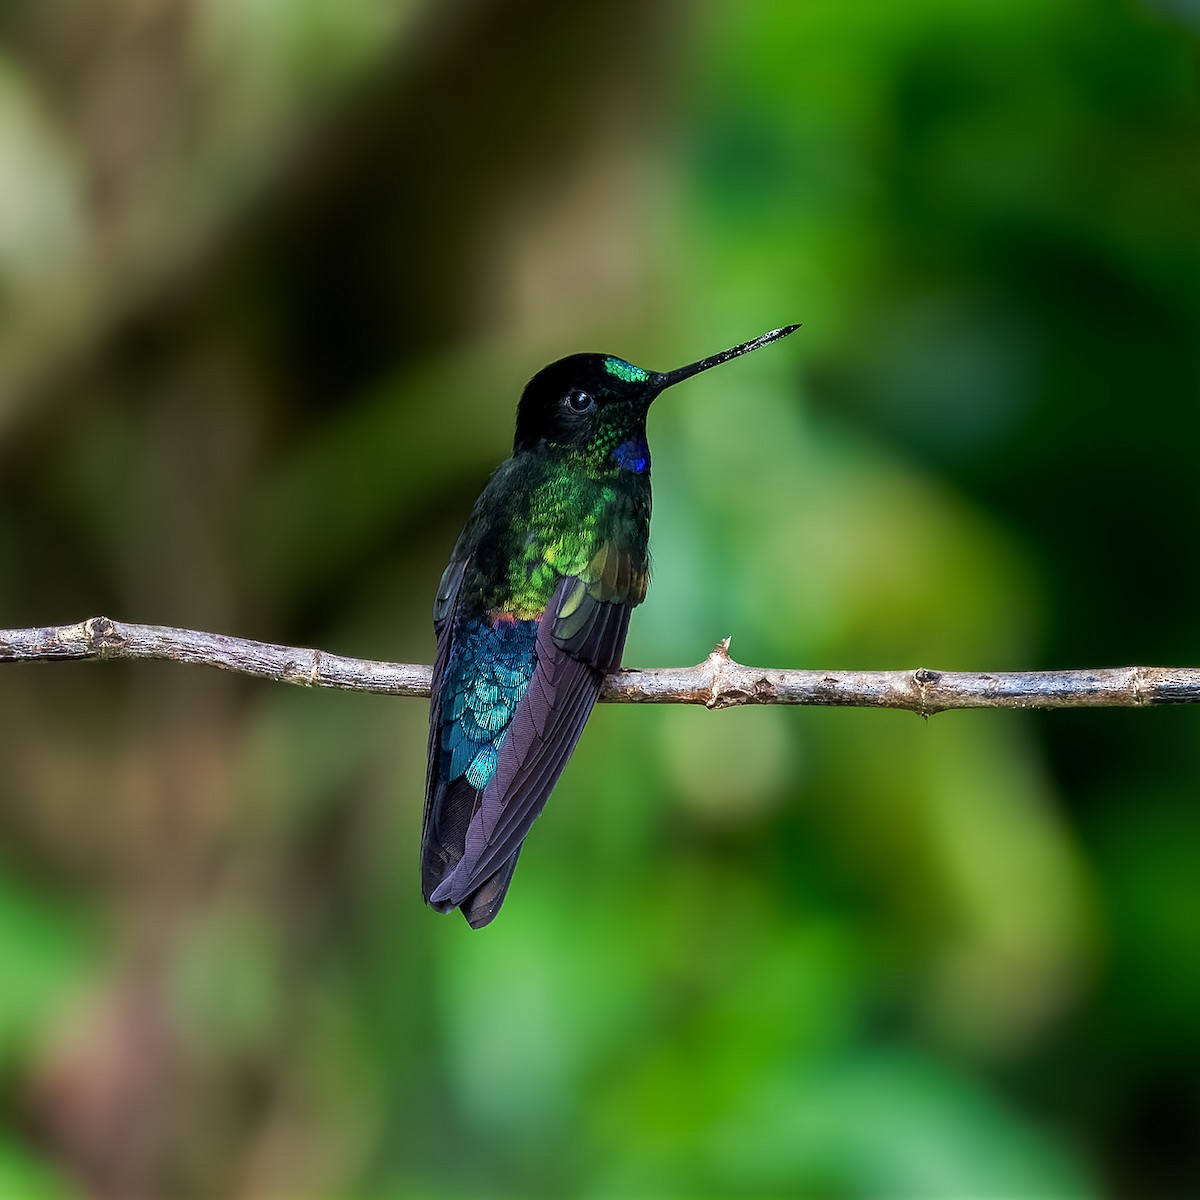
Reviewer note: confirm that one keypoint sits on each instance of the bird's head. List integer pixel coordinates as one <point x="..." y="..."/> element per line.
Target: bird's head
<point x="596" y="404"/>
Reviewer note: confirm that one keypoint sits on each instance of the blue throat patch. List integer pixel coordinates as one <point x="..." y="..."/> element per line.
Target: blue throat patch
<point x="633" y="455"/>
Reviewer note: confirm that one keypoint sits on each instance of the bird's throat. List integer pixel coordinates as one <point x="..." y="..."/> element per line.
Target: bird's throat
<point x="633" y="455"/>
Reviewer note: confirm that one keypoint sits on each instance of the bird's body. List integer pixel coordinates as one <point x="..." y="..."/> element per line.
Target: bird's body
<point x="532" y="612"/>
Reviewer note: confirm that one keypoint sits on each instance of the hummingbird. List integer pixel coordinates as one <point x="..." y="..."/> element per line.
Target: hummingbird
<point x="532" y="613"/>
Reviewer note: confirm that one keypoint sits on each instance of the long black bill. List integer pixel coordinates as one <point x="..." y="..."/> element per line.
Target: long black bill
<point x="669" y="378"/>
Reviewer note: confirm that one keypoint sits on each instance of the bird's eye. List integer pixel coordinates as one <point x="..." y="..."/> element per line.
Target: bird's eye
<point x="579" y="401"/>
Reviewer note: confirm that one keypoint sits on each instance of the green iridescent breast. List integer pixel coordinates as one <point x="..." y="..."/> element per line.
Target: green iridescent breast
<point x="570" y="520"/>
<point x="540" y="522"/>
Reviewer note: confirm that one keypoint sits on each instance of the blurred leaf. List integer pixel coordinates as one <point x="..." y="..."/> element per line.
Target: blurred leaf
<point x="22" y="1175"/>
<point x="889" y="1124"/>
<point x="44" y="952"/>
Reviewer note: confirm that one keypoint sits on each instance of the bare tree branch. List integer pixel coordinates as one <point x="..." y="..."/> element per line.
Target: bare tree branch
<point x="717" y="682"/>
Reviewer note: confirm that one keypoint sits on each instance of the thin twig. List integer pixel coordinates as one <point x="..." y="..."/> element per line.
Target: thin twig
<point x="717" y="682"/>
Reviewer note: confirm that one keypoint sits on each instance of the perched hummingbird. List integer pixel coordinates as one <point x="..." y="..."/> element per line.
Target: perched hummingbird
<point x="532" y="613"/>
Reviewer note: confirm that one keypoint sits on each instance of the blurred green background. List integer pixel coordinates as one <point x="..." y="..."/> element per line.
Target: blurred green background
<point x="272" y="274"/>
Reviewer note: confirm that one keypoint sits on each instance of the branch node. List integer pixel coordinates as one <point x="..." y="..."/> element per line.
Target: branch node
<point x="926" y="679"/>
<point x="103" y="636"/>
<point x="718" y="663"/>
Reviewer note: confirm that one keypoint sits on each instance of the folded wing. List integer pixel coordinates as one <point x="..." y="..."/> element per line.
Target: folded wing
<point x="482" y="800"/>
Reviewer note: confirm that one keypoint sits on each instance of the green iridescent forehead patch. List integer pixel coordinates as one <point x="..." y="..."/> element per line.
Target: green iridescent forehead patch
<point x="624" y="371"/>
